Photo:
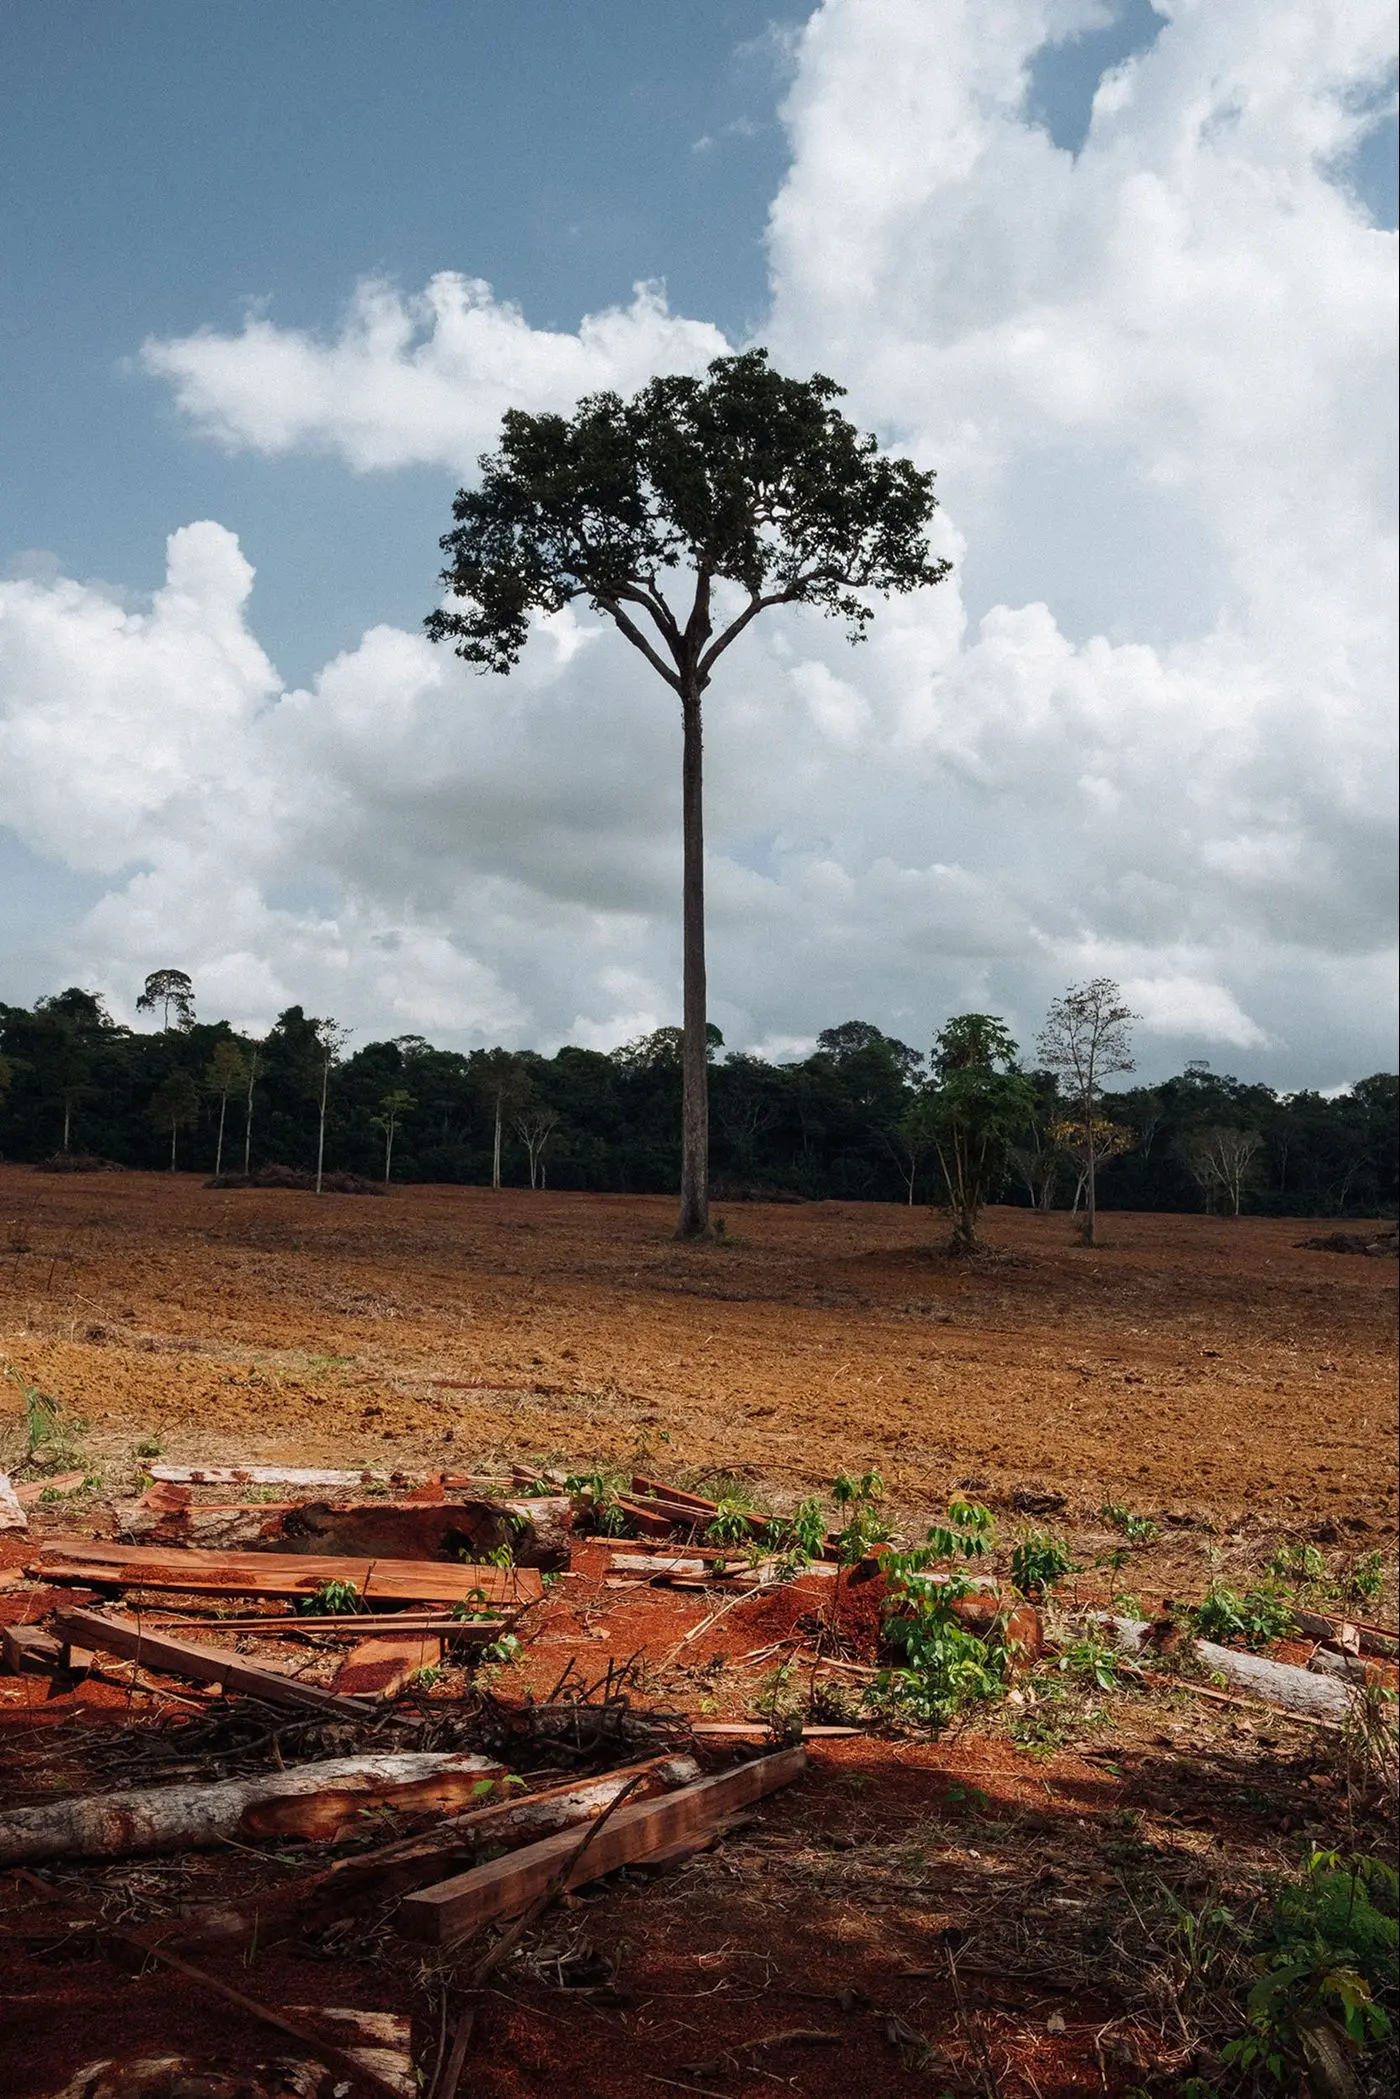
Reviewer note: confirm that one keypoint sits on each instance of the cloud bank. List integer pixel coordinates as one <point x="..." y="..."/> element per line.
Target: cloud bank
<point x="1147" y="729"/>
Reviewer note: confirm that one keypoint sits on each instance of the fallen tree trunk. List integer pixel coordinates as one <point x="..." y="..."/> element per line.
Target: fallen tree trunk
<point x="536" y="1533"/>
<point x="314" y="1800"/>
<point x="444" y="1914"/>
<point x="1281" y="1684"/>
<point x="411" y="1862"/>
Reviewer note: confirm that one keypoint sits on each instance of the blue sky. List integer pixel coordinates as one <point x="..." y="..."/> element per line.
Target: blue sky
<point x="168" y="170"/>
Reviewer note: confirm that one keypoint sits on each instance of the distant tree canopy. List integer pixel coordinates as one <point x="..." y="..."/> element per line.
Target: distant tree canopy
<point x="835" y="1124"/>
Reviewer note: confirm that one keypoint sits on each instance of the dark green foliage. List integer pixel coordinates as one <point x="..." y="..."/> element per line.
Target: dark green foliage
<point x="1325" y="1962"/>
<point x="742" y="477"/>
<point x="817" y="1128"/>
<point x="974" y="1106"/>
<point x="1254" y="1619"/>
<point x="1039" y="1563"/>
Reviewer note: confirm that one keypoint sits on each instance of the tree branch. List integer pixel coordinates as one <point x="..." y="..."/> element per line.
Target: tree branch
<point x="638" y="640"/>
<point x="736" y="627"/>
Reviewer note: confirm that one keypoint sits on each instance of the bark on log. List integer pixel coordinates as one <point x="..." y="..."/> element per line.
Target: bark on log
<point x="12" y="1516"/>
<point x="313" y="1800"/>
<point x="441" y="1528"/>
<point x="1282" y="1684"/>
<point x="412" y="1862"/>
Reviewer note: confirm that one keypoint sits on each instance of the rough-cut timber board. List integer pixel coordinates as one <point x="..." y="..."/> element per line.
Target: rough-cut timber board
<point x="281" y="1574"/>
<point x="25" y="1646"/>
<point x="655" y="1565"/>
<point x="35" y="1490"/>
<point x="646" y="1520"/>
<point x="205" y="1665"/>
<point x="448" y="1912"/>
<point x="381" y="1668"/>
<point x="260" y="1476"/>
<point x="662" y="1492"/>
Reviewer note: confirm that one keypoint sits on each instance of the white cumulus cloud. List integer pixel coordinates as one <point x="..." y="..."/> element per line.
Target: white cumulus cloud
<point x="1146" y="729"/>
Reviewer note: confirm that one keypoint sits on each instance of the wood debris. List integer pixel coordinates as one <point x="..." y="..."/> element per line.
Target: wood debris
<point x="314" y="1800"/>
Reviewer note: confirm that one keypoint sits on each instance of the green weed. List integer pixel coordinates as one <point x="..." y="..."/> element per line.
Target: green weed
<point x="1255" y="1619"/>
<point x="333" y="1599"/>
<point x="1325" y="1967"/>
<point x="1138" y="1530"/>
<point x="1040" y="1563"/>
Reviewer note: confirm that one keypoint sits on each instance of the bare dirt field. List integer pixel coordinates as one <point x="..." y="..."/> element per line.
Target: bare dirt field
<point x="1021" y="1905"/>
<point x="1192" y="1362"/>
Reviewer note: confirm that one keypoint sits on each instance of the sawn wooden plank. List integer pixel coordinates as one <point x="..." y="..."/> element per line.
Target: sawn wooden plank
<point x="444" y="1914"/>
<point x="281" y="1574"/>
<point x="205" y="1665"/>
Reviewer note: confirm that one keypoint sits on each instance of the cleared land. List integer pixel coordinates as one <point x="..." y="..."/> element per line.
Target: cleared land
<point x="1000" y="1908"/>
<point x="1195" y="1363"/>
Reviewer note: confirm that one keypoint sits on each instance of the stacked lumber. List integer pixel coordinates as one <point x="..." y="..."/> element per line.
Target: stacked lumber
<point x="98" y="1563"/>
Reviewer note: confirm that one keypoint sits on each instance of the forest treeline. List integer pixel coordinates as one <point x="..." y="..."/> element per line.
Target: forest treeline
<point x="841" y="1123"/>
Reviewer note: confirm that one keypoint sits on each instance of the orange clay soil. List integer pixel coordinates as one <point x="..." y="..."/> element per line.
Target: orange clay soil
<point x="1190" y="1360"/>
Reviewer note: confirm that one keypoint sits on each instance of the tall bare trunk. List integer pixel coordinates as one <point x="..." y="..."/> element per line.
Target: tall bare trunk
<point x="496" y="1148"/>
<point x="67" y="1121"/>
<point x="694" y="1219"/>
<point x="321" y="1131"/>
<point x="173" y="1128"/>
<point x="219" y="1147"/>
<point x="1090" y="1177"/>
<point x="388" y="1149"/>
<point x="248" y="1118"/>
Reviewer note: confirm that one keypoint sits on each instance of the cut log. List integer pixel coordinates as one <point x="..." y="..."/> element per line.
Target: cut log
<point x="411" y="1862"/>
<point x="381" y="2042"/>
<point x="95" y="1562"/>
<point x="1281" y="1684"/>
<point x="420" y="1528"/>
<point x="25" y="1647"/>
<point x="203" y="1665"/>
<point x="444" y="1914"/>
<point x="381" y="1668"/>
<point x="314" y="1800"/>
<point x="12" y="1516"/>
<point x="537" y="1533"/>
<point x="261" y="1476"/>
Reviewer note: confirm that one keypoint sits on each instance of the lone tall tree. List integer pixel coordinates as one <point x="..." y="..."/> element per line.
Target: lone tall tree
<point x="756" y="492"/>
<point x="166" y="988"/>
